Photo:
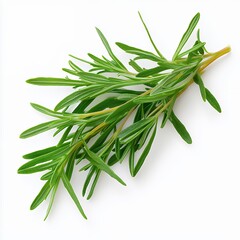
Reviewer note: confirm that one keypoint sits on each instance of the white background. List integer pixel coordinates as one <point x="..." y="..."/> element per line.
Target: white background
<point x="183" y="191"/>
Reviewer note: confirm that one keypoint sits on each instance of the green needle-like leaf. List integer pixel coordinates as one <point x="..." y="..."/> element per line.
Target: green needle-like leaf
<point x="198" y="80"/>
<point x="136" y="51"/>
<point x="47" y="111"/>
<point x="74" y="66"/>
<point x="43" y="127"/>
<point x="41" y="196"/>
<point x="180" y="128"/>
<point x="88" y="179"/>
<point x="186" y="35"/>
<point x="117" y="148"/>
<point x="53" y="193"/>
<point x="37" y="168"/>
<point x="43" y="81"/>
<point x="145" y="152"/>
<point x="131" y="160"/>
<point x="107" y="46"/>
<point x="212" y="100"/>
<point x="148" y="33"/>
<point x="93" y="184"/>
<point x="71" y="192"/>
<point x="39" y="152"/>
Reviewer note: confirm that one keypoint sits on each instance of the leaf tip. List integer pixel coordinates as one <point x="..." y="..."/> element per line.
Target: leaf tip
<point x="83" y="193"/>
<point x="22" y="135"/>
<point x="97" y="29"/>
<point x="34" y="105"/>
<point x="33" y="206"/>
<point x="29" y="80"/>
<point x="121" y="181"/>
<point x="89" y="196"/>
<point x="57" y="108"/>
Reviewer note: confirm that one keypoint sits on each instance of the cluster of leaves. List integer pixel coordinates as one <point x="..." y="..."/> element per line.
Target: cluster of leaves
<point x="95" y="132"/>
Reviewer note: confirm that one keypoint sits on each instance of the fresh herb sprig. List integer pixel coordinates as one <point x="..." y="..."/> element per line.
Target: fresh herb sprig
<point x="95" y="132"/>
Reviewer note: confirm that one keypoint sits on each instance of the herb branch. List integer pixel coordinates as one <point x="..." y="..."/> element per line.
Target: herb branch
<point x="95" y="132"/>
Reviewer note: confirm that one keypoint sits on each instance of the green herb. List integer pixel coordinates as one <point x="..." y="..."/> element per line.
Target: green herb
<point x="95" y="132"/>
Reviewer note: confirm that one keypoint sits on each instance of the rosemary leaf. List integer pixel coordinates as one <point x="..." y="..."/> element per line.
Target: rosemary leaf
<point x="212" y="100"/>
<point x="186" y="35"/>
<point x="180" y="128"/>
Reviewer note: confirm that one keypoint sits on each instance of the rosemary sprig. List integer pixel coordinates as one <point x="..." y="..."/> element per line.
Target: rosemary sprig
<point x="100" y="135"/>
